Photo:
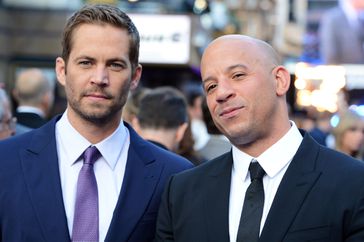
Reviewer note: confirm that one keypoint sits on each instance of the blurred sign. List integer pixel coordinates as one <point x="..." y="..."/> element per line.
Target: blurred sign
<point x="165" y="39"/>
<point x="354" y="76"/>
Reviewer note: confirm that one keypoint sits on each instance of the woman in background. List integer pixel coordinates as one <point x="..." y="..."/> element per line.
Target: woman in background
<point x="349" y="134"/>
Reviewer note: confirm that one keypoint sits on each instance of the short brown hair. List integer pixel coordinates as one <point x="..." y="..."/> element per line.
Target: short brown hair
<point x="102" y="14"/>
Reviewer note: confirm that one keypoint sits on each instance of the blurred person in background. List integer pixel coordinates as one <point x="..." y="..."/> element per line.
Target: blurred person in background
<point x="322" y="128"/>
<point x="186" y="147"/>
<point x="342" y="33"/>
<point x="34" y="94"/>
<point x="162" y="117"/>
<point x="7" y="122"/>
<point x="349" y="134"/>
<point x="131" y="107"/>
<point x="217" y="144"/>
<point x="194" y="95"/>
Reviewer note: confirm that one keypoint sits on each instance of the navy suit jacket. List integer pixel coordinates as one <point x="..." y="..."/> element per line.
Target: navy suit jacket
<point x="31" y="120"/>
<point x="320" y="198"/>
<point x="31" y="203"/>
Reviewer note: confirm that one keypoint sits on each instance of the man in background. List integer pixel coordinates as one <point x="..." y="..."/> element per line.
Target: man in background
<point x="34" y="94"/>
<point x="342" y="33"/>
<point x="7" y="122"/>
<point x="162" y="117"/>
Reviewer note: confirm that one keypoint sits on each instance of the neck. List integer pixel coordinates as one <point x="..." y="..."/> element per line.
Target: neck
<point x="162" y="136"/>
<point x="94" y="132"/>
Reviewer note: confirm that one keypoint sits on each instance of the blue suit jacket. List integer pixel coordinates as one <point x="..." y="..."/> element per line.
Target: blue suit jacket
<point x="31" y="203"/>
<point x="320" y="198"/>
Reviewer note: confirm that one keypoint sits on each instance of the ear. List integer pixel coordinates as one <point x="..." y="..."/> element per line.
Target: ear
<point x="181" y="132"/>
<point x="136" y="77"/>
<point x="61" y="71"/>
<point x="283" y="80"/>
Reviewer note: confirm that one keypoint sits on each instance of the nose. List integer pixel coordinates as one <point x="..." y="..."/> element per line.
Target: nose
<point x="100" y="76"/>
<point x="224" y="91"/>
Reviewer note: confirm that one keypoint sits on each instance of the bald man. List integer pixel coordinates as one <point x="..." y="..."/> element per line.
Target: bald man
<point x="35" y="96"/>
<point x="306" y="192"/>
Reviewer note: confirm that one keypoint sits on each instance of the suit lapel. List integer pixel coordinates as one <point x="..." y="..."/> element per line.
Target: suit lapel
<point x="41" y="174"/>
<point x="142" y="173"/>
<point x="216" y="209"/>
<point x="299" y="179"/>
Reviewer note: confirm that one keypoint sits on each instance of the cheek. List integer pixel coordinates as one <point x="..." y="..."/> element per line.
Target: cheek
<point x="210" y="103"/>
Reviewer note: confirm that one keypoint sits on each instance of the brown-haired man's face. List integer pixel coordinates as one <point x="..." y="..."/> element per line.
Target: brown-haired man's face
<point x="99" y="74"/>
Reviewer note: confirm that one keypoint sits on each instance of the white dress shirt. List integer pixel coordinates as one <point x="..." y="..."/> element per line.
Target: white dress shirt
<point x="274" y="161"/>
<point x="109" y="169"/>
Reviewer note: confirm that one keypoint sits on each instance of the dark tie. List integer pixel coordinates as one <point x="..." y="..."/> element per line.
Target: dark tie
<point x="251" y="214"/>
<point x="86" y="217"/>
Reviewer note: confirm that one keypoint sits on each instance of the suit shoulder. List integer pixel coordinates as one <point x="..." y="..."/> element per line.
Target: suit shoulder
<point x="17" y="141"/>
<point x="213" y="166"/>
<point x="169" y="159"/>
<point x="334" y="160"/>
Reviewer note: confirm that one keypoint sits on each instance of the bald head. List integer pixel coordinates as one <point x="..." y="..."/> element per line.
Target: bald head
<point x="33" y="89"/>
<point x="245" y="88"/>
<point x="30" y="87"/>
<point x="258" y="49"/>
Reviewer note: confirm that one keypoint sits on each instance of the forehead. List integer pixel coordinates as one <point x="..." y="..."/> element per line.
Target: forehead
<point x="225" y="53"/>
<point x="101" y="37"/>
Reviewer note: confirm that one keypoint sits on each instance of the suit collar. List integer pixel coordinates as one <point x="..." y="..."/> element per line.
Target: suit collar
<point x="41" y="173"/>
<point x="142" y="173"/>
<point x="216" y="209"/>
<point x="300" y="177"/>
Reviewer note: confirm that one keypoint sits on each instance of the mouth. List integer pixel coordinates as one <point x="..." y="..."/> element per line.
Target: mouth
<point x="230" y="112"/>
<point x="97" y="96"/>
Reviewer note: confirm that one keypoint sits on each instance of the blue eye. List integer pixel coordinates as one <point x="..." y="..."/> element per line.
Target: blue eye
<point x="117" y="66"/>
<point x="85" y="63"/>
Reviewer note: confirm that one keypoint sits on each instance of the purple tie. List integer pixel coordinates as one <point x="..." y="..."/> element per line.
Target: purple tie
<point x="86" y="217"/>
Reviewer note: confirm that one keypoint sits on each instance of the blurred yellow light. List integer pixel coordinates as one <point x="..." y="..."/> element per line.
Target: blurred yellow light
<point x="304" y="98"/>
<point x="300" y="83"/>
<point x="319" y="86"/>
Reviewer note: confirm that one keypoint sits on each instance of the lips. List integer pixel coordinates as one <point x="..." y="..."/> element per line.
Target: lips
<point x="96" y="95"/>
<point x="230" y="112"/>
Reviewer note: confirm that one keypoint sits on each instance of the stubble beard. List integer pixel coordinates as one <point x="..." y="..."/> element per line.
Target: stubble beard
<point x="98" y="114"/>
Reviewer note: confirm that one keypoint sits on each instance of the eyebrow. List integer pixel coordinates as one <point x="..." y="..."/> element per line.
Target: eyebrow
<point x="229" y="68"/>
<point x="111" y="60"/>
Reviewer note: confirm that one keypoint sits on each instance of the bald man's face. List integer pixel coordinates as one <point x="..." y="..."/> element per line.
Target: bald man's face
<point x="238" y="78"/>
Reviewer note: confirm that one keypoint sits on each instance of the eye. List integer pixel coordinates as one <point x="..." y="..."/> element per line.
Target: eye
<point x="210" y="87"/>
<point x="238" y="75"/>
<point x="85" y="63"/>
<point x="116" y="66"/>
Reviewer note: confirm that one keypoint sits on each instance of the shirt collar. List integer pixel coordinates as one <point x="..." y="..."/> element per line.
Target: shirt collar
<point x="74" y="144"/>
<point x="30" y="109"/>
<point x="274" y="159"/>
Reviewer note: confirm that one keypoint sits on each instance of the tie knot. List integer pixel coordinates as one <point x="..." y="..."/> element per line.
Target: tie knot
<point x="90" y="155"/>
<point x="256" y="171"/>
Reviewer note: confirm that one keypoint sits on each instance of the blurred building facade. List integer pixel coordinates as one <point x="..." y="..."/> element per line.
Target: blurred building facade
<point x="30" y="32"/>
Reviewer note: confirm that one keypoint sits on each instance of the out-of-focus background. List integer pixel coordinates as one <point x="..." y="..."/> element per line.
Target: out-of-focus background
<point x="175" y="32"/>
<point x="321" y="42"/>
